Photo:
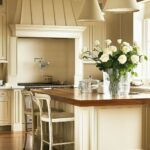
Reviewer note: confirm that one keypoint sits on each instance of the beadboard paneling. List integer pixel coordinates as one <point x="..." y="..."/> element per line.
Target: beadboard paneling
<point x="37" y="12"/>
<point x="59" y="12"/>
<point x="69" y="14"/>
<point x="26" y="12"/>
<point x="48" y="12"/>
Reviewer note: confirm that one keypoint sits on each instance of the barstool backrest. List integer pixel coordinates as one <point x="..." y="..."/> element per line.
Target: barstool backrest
<point x="28" y="101"/>
<point x="44" y="103"/>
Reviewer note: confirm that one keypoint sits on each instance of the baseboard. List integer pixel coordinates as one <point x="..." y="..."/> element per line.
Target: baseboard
<point x="18" y="127"/>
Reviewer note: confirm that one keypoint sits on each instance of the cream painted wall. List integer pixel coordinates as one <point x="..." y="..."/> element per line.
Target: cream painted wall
<point x="91" y="69"/>
<point x="59" y="52"/>
<point x="119" y="26"/>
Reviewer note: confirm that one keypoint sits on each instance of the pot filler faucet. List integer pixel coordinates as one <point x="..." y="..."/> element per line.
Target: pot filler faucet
<point x="42" y="63"/>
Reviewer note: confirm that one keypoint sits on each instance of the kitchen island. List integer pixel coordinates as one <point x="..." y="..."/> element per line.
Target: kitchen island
<point x="102" y="123"/>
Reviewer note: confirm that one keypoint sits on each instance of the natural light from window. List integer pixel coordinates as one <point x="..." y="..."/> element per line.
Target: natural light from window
<point x="141" y="35"/>
<point x="146" y="47"/>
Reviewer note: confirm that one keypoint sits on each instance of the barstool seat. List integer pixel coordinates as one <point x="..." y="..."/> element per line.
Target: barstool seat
<point x="58" y="117"/>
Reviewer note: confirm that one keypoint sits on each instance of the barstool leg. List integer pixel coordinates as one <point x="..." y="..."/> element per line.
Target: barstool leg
<point x="42" y="136"/>
<point x="33" y="131"/>
<point x="50" y="136"/>
<point x="25" y="139"/>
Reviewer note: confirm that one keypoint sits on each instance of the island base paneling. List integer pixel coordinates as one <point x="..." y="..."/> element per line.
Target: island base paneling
<point x="111" y="128"/>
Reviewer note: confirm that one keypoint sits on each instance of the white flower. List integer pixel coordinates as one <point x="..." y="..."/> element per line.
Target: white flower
<point x="139" y="51"/>
<point x="119" y="41"/>
<point x="142" y="58"/>
<point x="84" y="55"/>
<point x="113" y="48"/>
<point x="104" y="58"/>
<point x="81" y="56"/>
<point x="84" y="49"/>
<point x="108" y="42"/>
<point x="96" y="48"/>
<point x="107" y="51"/>
<point x="97" y="43"/>
<point x="135" y="44"/>
<point x="126" y="44"/>
<point x="122" y="59"/>
<point x="126" y="49"/>
<point x="95" y="53"/>
<point x="135" y="59"/>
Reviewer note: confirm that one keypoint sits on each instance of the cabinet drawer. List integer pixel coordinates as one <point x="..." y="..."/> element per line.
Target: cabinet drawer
<point x="3" y="95"/>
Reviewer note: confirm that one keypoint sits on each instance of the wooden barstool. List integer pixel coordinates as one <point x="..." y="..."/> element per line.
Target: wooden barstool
<point x="50" y="118"/>
<point x="30" y="110"/>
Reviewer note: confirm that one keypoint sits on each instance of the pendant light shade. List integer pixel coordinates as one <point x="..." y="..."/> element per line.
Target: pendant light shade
<point x="90" y="11"/>
<point x="121" y="6"/>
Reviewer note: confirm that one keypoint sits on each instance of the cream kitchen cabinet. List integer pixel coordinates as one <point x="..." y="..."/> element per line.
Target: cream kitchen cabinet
<point x="5" y="118"/>
<point x="3" y="37"/>
<point x="17" y="115"/>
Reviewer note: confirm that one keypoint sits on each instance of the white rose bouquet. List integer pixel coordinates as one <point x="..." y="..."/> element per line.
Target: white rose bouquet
<point x="124" y="57"/>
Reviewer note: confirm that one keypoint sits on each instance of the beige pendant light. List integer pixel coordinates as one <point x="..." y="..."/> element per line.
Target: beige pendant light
<point x="90" y="11"/>
<point x="121" y="6"/>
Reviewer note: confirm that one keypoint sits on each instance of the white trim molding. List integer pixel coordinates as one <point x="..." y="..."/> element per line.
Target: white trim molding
<point x="46" y="31"/>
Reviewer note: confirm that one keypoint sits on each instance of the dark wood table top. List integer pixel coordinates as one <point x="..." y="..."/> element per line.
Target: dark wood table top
<point x="75" y="97"/>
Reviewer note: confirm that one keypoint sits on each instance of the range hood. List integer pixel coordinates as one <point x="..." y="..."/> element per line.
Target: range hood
<point x="45" y="12"/>
<point x="55" y="19"/>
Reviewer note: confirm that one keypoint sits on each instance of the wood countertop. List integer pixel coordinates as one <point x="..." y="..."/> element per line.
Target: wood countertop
<point x="75" y="97"/>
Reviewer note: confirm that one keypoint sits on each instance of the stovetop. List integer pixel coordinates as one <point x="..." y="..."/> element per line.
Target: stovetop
<point x="40" y="85"/>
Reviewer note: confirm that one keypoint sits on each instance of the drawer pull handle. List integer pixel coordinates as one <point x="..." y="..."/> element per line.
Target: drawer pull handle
<point x="2" y="94"/>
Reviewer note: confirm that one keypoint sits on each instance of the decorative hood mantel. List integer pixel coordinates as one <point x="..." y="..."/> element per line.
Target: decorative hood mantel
<point x="47" y="31"/>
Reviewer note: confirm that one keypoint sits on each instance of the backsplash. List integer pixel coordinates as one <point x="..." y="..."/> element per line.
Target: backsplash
<point x="59" y="53"/>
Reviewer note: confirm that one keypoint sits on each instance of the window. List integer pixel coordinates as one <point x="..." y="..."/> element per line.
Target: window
<point x="141" y="35"/>
<point x="146" y="47"/>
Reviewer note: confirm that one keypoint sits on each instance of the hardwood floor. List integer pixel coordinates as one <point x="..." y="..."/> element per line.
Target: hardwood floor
<point x="11" y="141"/>
<point x="15" y="141"/>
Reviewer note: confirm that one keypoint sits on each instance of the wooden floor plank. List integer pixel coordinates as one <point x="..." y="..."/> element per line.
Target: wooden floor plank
<point x="15" y="141"/>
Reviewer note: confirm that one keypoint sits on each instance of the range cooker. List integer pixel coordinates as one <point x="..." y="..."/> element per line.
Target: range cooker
<point x="44" y="85"/>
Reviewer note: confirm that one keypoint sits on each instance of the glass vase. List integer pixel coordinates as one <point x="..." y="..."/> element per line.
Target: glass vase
<point x="115" y="85"/>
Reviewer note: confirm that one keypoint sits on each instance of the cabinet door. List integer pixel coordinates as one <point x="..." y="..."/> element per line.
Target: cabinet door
<point x="4" y="107"/>
<point x="2" y="37"/>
